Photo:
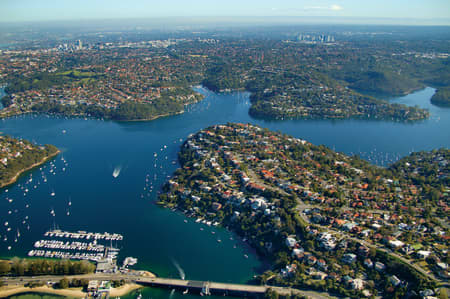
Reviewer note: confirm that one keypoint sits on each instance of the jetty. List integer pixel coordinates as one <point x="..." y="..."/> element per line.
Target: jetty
<point x="83" y="235"/>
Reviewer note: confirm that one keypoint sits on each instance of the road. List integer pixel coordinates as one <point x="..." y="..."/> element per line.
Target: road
<point x="145" y="280"/>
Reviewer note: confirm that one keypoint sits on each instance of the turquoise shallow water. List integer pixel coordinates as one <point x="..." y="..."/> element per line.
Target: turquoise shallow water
<point x="158" y="237"/>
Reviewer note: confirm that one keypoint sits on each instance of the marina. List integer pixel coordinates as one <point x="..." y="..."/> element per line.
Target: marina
<point x="77" y="250"/>
<point x="94" y="257"/>
<point x="53" y="244"/>
<point x="83" y="235"/>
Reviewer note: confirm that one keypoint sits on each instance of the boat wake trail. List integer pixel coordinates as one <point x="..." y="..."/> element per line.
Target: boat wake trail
<point x="180" y="270"/>
<point x="116" y="171"/>
<point x="171" y="293"/>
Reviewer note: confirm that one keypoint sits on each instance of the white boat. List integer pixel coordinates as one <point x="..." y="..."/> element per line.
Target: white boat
<point x="52" y="194"/>
<point x="116" y="172"/>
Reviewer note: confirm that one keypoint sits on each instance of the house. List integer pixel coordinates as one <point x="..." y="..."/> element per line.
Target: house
<point x="319" y="275"/>
<point x="236" y="215"/>
<point x="380" y="267"/>
<point x="442" y="266"/>
<point x="311" y="260"/>
<point x="376" y="226"/>
<point x="368" y="263"/>
<point x="216" y="206"/>
<point x="92" y="286"/>
<point x="423" y="254"/>
<point x="288" y="270"/>
<point x="348" y="226"/>
<point x="349" y="258"/>
<point x="297" y="252"/>
<point x="394" y="280"/>
<point x="290" y="242"/>
<point x="426" y="293"/>
<point x="327" y="241"/>
<point x="104" y="287"/>
<point x="258" y="203"/>
<point x="395" y="243"/>
<point x="365" y="233"/>
<point x="195" y="198"/>
<point x="357" y="284"/>
<point x="321" y="264"/>
<point x="366" y="293"/>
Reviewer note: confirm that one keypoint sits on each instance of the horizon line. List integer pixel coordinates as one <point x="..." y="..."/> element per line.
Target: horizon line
<point x="325" y="20"/>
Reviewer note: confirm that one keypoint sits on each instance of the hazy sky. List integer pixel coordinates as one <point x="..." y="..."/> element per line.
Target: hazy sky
<point x="45" y="10"/>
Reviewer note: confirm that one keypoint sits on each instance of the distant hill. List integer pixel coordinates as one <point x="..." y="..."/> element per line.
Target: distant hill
<point x="384" y="83"/>
<point x="441" y="97"/>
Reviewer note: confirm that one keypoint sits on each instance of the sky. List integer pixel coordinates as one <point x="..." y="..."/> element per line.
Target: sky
<point x="52" y="10"/>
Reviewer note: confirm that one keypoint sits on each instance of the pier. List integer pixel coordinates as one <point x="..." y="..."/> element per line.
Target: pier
<point x="66" y="245"/>
<point x="83" y="235"/>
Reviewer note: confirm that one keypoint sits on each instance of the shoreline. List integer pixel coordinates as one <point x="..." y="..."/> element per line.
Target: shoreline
<point x="150" y="119"/>
<point x="71" y="292"/>
<point x="20" y="172"/>
<point x="19" y="113"/>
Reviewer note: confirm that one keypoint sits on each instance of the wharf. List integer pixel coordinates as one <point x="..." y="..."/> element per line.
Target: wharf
<point x="66" y="248"/>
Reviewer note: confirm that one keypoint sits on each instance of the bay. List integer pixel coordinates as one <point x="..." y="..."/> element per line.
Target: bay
<point x="162" y="239"/>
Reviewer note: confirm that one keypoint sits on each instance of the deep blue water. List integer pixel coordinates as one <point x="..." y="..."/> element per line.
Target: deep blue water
<point x="158" y="237"/>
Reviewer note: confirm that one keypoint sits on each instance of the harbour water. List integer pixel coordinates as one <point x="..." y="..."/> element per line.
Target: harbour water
<point x="110" y="173"/>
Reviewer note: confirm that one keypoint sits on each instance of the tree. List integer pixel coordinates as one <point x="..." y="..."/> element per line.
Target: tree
<point x="5" y="267"/>
<point x="64" y="283"/>
<point x="270" y="294"/>
<point x="443" y="293"/>
<point x="6" y="101"/>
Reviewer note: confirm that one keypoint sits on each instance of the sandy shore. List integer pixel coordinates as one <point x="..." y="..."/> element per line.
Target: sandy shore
<point x="123" y="290"/>
<point x="72" y="292"/>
